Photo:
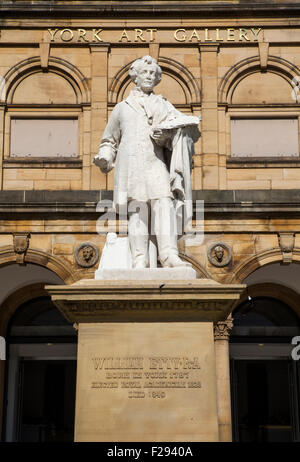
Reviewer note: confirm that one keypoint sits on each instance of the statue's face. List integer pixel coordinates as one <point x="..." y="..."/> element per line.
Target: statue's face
<point x="146" y="78"/>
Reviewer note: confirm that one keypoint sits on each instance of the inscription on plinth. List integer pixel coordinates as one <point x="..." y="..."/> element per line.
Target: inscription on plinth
<point x="150" y="377"/>
<point x="146" y="382"/>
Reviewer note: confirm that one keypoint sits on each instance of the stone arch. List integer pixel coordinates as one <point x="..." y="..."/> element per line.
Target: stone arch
<point x="272" y="290"/>
<point x="248" y="266"/>
<point x="184" y="79"/>
<point x="246" y="67"/>
<point x="38" y="257"/>
<point x="58" y="66"/>
<point x="266" y="257"/>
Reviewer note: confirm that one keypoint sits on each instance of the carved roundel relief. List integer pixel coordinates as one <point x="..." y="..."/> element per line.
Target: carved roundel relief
<point x="219" y="254"/>
<point x="86" y="254"/>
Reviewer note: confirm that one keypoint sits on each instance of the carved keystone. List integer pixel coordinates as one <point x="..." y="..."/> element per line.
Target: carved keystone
<point x="263" y="49"/>
<point x="286" y="243"/>
<point x="44" y="55"/>
<point x="21" y="244"/>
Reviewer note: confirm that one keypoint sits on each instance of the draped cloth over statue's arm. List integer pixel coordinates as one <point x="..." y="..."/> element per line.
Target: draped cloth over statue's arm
<point x="180" y="132"/>
<point x="180" y="170"/>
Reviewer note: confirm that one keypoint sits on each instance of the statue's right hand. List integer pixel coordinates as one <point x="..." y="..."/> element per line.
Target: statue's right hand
<point x="103" y="164"/>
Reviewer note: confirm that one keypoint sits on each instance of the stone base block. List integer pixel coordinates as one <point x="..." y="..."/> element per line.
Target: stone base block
<point x="147" y="274"/>
<point x="146" y="382"/>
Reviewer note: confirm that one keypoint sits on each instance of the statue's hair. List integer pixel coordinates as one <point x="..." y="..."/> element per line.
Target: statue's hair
<point x="139" y="63"/>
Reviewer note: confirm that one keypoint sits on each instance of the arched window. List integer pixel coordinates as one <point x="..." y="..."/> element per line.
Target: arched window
<point x="178" y="85"/>
<point x="260" y="133"/>
<point x="43" y="124"/>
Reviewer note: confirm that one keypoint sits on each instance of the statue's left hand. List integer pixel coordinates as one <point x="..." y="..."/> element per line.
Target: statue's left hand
<point x="177" y="188"/>
<point x="158" y="136"/>
<point x="178" y="194"/>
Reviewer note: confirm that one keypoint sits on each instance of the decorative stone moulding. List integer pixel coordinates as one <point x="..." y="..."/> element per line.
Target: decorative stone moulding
<point x="86" y="255"/>
<point x="222" y="329"/>
<point x="219" y="254"/>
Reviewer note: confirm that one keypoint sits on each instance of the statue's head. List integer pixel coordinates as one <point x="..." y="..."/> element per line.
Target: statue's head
<point x="145" y="73"/>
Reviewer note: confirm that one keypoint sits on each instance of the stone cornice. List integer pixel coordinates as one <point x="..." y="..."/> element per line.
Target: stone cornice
<point x="83" y="202"/>
<point x="134" y="8"/>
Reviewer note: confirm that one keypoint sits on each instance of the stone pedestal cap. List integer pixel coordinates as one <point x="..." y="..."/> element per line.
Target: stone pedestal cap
<point x="139" y="301"/>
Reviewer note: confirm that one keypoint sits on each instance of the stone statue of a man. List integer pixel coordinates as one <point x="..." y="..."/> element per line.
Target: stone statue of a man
<point x="150" y="144"/>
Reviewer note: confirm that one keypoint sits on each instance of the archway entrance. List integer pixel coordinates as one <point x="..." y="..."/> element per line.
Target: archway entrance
<point x="265" y="381"/>
<point x="41" y="374"/>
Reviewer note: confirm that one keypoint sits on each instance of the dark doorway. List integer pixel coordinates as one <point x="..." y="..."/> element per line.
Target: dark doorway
<point x="264" y="378"/>
<point x="41" y="375"/>
<point x="265" y="405"/>
<point x="47" y="397"/>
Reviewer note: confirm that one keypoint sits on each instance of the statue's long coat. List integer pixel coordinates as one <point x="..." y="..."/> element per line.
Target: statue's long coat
<point x="141" y="169"/>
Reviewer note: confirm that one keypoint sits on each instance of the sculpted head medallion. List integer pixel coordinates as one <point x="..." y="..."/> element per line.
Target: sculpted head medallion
<point x="86" y="255"/>
<point x="219" y="254"/>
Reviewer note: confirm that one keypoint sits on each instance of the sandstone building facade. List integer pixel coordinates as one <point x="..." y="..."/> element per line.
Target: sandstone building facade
<point x="63" y="67"/>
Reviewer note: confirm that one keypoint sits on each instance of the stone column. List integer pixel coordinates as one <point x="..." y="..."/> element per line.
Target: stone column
<point x="2" y="112"/>
<point x="209" y="110"/>
<point x="222" y="332"/>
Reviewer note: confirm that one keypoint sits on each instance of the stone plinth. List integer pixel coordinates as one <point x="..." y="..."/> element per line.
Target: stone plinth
<point x="146" y="358"/>
<point x="146" y="274"/>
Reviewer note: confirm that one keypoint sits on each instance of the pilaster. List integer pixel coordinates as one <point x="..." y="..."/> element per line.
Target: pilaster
<point x="99" y="84"/>
<point x="2" y="113"/>
<point x="209" y="100"/>
<point x="222" y="331"/>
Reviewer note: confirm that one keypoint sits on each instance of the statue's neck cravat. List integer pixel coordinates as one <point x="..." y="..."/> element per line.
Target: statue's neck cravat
<point x="145" y="100"/>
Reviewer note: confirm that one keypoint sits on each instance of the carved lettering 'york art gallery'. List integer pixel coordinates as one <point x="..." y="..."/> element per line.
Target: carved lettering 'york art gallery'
<point x="229" y="34"/>
<point x="150" y="221"/>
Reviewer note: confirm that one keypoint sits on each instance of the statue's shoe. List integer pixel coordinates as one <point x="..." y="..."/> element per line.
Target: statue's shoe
<point x="173" y="261"/>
